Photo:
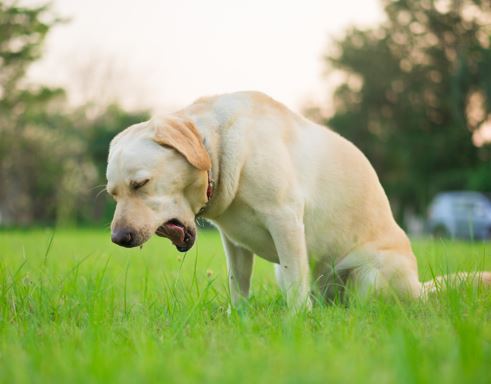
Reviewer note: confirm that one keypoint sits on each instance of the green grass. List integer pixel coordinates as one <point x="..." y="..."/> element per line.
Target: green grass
<point x="83" y="310"/>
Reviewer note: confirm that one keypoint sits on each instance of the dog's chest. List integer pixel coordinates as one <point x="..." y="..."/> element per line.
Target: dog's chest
<point x="244" y="227"/>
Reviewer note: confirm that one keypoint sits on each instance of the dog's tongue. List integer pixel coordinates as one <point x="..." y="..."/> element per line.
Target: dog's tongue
<point x="173" y="231"/>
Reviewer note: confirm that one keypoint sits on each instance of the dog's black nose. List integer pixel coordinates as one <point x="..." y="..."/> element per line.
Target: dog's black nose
<point x="124" y="237"/>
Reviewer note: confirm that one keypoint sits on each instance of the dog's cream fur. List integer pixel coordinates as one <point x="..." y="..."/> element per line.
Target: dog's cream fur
<point x="287" y="189"/>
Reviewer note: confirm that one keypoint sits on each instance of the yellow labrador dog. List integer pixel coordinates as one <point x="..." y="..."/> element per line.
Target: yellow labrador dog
<point x="275" y="184"/>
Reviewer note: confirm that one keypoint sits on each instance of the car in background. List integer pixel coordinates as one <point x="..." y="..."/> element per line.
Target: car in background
<point x="464" y="215"/>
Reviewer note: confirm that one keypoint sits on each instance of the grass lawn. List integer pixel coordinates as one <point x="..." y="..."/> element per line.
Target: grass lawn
<point x="83" y="310"/>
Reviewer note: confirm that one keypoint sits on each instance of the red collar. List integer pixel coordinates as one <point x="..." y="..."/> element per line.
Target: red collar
<point x="209" y="193"/>
<point x="211" y="187"/>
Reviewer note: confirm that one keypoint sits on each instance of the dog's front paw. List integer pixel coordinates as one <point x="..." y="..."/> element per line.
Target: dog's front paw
<point x="240" y="308"/>
<point x="300" y="306"/>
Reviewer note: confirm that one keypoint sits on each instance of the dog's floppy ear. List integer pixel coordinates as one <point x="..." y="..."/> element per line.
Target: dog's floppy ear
<point x="182" y="135"/>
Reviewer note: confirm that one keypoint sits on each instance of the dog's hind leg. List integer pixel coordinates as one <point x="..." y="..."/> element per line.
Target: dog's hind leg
<point x="381" y="272"/>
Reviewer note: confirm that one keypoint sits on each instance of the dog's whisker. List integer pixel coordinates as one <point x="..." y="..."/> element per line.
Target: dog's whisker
<point x="99" y="193"/>
<point x="103" y="186"/>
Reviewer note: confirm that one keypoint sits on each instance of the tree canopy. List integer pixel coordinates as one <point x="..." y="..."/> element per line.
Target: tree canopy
<point x="415" y="89"/>
<point x="51" y="155"/>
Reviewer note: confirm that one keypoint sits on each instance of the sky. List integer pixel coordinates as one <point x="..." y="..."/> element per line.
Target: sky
<point x="165" y="54"/>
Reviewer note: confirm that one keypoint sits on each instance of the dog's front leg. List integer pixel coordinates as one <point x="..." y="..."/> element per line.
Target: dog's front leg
<point x="239" y="266"/>
<point x="289" y="239"/>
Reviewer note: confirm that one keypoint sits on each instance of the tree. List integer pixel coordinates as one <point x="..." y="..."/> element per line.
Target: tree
<point x="51" y="156"/>
<point x="412" y="88"/>
<point x="24" y="113"/>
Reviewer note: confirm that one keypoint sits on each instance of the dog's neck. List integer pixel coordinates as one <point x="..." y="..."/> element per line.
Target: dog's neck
<point x="224" y="174"/>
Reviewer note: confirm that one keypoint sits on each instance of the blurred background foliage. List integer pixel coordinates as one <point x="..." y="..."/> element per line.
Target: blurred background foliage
<point x="52" y="155"/>
<point x="415" y="91"/>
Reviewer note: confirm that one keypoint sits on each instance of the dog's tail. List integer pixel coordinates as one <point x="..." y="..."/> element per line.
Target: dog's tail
<point x="439" y="283"/>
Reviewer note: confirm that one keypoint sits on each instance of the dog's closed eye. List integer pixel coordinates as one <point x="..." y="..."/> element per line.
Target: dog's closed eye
<point x="137" y="184"/>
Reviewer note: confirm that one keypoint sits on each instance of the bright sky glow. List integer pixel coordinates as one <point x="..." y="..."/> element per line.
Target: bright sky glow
<point x="164" y="54"/>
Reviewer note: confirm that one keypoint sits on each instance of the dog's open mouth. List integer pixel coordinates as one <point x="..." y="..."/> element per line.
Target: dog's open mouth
<point x="182" y="237"/>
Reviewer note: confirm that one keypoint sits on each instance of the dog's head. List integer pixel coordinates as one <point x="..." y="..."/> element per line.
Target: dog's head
<point x="157" y="172"/>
